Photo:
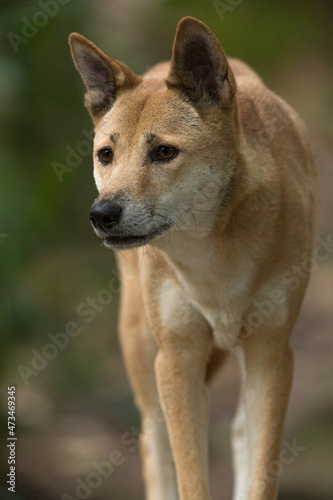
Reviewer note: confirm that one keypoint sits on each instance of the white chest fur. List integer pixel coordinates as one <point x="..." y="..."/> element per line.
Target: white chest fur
<point x="219" y="293"/>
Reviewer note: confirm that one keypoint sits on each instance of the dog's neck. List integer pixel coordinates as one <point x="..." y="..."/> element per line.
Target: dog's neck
<point x="212" y="253"/>
<point x="201" y="253"/>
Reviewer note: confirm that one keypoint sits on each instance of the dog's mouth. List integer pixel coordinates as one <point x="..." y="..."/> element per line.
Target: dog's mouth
<point x="119" y="241"/>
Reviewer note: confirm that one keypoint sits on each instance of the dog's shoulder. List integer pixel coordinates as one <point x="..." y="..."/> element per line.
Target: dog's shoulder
<point x="265" y="118"/>
<point x="242" y="70"/>
<point x="159" y="71"/>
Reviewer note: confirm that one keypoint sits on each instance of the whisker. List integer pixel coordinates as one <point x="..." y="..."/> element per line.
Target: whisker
<point x="173" y="223"/>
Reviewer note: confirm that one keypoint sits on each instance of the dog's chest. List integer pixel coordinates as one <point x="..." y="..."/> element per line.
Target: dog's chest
<point x="222" y="306"/>
<point x="221" y="295"/>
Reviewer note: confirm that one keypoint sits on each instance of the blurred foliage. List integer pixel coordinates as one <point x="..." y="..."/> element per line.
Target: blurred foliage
<point x="50" y="259"/>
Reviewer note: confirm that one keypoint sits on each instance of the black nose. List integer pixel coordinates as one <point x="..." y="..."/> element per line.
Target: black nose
<point x="104" y="215"/>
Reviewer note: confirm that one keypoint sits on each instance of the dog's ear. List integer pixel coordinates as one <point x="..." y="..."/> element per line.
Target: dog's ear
<point x="199" y="66"/>
<point x="103" y="76"/>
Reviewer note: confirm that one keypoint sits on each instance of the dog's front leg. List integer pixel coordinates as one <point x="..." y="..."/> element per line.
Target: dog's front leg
<point x="139" y="348"/>
<point x="180" y="370"/>
<point x="266" y="364"/>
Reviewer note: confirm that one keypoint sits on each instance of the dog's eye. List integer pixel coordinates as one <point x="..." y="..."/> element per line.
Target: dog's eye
<point x="166" y="152"/>
<point x="105" y="155"/>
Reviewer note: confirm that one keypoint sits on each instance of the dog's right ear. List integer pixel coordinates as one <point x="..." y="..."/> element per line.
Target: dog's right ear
<point x="103" y="76"/>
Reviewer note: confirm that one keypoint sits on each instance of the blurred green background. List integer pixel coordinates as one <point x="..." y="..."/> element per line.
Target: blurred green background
<point x="74" y="409"/>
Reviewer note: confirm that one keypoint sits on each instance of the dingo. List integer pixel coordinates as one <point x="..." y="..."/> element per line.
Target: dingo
<point x="206" y="179"/>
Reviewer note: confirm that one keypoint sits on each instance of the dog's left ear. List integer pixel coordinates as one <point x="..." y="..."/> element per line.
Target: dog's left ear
<point x="199" y="66"/>
<point x="103" y="76"/>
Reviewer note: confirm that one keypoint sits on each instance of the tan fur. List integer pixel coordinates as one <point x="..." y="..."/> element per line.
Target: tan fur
<point x="240" y="201"/>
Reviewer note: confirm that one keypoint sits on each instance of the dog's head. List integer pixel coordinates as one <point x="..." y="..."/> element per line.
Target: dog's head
<point x="164" y="143"/>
